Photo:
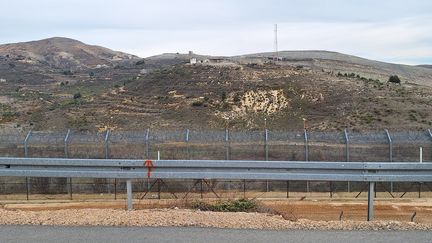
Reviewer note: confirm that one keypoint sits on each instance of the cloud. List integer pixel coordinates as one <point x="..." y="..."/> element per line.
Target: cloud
<point x="385" y="30"/>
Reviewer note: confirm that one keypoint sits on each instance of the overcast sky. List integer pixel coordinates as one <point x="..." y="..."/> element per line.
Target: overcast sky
<point x="397" y="31"/>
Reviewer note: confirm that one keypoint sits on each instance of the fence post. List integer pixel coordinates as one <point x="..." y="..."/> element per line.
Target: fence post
<point x="227" y="145"/>
<point x="29" y="134"/>
<point x="430" y="134"/>
<point x="187" y="144"/>
<point x="106" y="142"/>
<point x="66" y="151"/>
<point x="347" y="154"/>
<point x="306" y="154"/>
<point x="266" y="154"/>
<point x="371" y="193"/>
<point x="147" y="142"/>
<point x="107" y="155"/>
<point x="390" y="153"/>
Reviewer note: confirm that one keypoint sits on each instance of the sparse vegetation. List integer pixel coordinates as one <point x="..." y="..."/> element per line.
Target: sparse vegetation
<point x="140" y="62"/>
<point x="197" y="103"/>
<point x="394" y="79"/>
<point x="67" y="72"/>
<point x="77" y="96"/>
<point x="241" y="205"/>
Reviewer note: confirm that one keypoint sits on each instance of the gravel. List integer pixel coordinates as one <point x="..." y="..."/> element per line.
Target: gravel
<point x="187" y="217"/>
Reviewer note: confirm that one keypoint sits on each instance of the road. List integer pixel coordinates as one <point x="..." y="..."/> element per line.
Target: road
<point x="190" y="234"/>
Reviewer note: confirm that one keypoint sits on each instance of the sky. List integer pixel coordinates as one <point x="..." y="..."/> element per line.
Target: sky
<point x="397" y="31"/>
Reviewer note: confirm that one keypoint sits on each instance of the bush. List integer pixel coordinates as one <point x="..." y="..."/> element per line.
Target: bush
<point x="223" y="96"/>
<point x="140" y="62"/>
<point x="241" y="205"/>
<point x="237" y="97"/>
<point x="77" y="96"/>
<point x="67" y="72"/>
<point x="197" y="103"/>
<point x="394" y="79"/>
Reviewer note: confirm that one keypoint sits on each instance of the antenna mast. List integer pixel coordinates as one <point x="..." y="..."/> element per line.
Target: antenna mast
<point x="276" y="53"/>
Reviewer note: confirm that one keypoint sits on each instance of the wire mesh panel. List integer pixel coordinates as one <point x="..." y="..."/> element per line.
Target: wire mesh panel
<point x="247" y="145"/>
<point x="406" y="146"/>
<point x="286" y="146"/>
<point x="170" y="144"/>
<point x="46" y="144"/>
<point x="12" y="144"/>
<point x="86" y="145"/>
<point x="369" y="146"/>
<point x="128" y="145"/>
<point x="326" y="146"/>
<point x="207" y="145"/>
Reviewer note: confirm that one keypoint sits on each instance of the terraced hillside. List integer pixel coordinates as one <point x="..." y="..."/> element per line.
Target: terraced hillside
<point x="327" y="91"/>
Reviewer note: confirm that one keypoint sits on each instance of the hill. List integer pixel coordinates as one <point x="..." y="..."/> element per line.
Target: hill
<point x="62" y="53"/>
<point x="338" y="62"/>
<point x="332" y="91"/>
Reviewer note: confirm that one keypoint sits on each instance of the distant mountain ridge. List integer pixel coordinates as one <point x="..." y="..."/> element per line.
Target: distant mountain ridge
<point x="63" y="53"/>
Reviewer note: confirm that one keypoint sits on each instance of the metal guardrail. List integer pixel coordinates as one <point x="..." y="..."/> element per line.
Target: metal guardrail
<point x="370" y="172"/>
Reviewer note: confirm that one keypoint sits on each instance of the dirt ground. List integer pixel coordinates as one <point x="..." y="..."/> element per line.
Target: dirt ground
<point x="315" y="209"/>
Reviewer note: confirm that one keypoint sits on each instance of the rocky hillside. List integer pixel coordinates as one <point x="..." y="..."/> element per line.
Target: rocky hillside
<point x="62" y="53"/>
<point x="330" y="91"/>
<point x="338" y="62"/>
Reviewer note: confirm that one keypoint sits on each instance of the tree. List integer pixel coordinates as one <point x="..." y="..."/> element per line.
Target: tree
<point x="394" y="79"/>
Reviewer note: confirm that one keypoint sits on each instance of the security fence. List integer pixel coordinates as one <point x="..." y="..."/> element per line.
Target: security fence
<point x="378" y="146"/>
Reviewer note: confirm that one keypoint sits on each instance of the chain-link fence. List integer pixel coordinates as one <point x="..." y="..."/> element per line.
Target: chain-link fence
<point x="379" y="146"/>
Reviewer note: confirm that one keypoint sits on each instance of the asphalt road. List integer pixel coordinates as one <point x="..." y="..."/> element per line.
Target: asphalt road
<point x="208" y="235"/>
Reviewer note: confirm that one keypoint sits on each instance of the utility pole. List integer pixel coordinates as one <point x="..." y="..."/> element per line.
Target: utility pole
<point x="276" y="52"/>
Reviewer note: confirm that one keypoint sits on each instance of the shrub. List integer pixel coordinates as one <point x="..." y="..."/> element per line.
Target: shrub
<point x="197" y="103"/>
<point x="223" y="96"/>
<point x="241" y="205"/>
<point x="237" y="97"/>
<point x="77" y="96"/>
<point x="67" y="72"/>
<point x="140" y="62"/>
<point x="394" y="79"/>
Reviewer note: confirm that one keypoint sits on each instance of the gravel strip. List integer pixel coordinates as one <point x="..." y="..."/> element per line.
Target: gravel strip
<point x="186" y="217"/>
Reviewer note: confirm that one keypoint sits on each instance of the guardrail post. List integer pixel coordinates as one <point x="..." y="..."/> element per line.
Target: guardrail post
<point x="306" y="154"/>
<point x="227" y="145"/>
<point x="29" y="134"/>
<point x="66" y="151"/>
<point x="390" y="153"/>
<point x="347" y="154"/>
<point x="187" y="144"/>
<point x="129" y="194"/>
<point x="371" y="193"/>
